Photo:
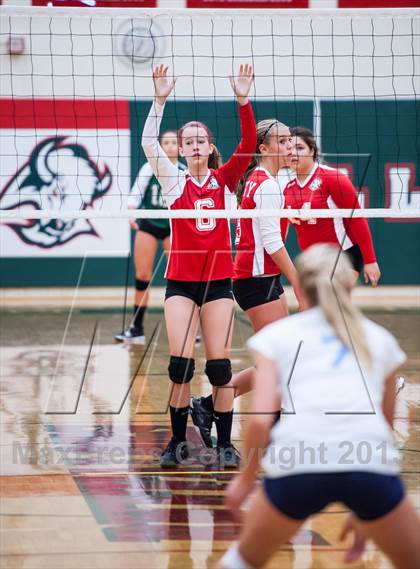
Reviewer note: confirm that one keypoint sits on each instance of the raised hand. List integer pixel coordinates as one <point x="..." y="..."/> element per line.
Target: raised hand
<point x="163" y="83"/>
<point x="241" y="84"/>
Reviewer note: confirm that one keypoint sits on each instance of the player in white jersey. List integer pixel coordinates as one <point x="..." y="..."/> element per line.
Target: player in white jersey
<point x="334" y="372"/>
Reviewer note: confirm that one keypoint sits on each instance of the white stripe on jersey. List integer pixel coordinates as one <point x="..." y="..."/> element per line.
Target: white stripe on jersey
<point x="258" y="260"/>
<point x="284" y="177"/>
<point x="340" y="232"/>
<point x="231" y="201"/>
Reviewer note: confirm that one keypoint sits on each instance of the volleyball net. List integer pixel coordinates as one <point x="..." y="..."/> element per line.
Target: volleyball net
<point x="77" y="87"/>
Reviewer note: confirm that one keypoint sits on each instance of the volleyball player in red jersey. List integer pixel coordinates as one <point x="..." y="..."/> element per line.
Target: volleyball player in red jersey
<point x="260" y="253"/>
<point x="318" y="186"/>
<point x="200" y="263"/>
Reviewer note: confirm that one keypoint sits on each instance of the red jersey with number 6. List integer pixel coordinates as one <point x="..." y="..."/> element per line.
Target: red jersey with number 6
<point x="200" y="248"/>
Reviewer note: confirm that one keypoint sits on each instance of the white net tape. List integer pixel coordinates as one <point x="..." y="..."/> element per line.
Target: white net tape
<point x="210" y="214"/>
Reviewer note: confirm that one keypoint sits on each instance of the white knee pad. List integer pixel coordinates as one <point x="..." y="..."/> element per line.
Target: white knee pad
<point x="232" y="559"/>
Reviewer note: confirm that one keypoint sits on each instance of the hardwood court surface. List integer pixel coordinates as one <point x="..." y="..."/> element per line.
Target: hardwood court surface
<point x="83" y="421"/>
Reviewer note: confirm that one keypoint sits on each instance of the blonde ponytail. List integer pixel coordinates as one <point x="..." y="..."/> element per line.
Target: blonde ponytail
<point x="327" y="278"/>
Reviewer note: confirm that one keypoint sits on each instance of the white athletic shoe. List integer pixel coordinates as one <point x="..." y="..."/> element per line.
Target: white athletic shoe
<point x="131" y="336"/>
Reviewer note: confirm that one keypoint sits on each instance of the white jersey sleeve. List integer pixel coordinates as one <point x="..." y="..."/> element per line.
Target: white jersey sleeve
<point x="267" y="196"/>
<point x="168" y="174"/>
<point x="140" y="186"/>
<point x="262" y="343"/>
<point x="284" y="177"/>
<point x="259" y="345"/>
<point x="231" y="201"/>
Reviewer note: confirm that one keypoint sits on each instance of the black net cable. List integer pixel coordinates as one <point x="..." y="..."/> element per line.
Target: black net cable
<point x="284" y="65"/>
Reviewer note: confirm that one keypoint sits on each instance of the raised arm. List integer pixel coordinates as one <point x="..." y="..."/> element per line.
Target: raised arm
<point x="166" y="172"/>
<point x="235" y="167"/>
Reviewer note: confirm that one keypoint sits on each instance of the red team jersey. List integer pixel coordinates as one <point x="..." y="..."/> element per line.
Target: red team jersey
<point x="328" y="188"/>
<point x="258" y="238"/>
<point x="200" y="248"/>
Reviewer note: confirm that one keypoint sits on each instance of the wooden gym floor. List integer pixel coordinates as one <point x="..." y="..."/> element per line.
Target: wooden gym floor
<point x="83" y="422"/>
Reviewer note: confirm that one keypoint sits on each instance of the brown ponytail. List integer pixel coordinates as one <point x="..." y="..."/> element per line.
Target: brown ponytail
<point x="215" y="159"/>
<point x="241" y="184"/>
<point x="264" y="131"/>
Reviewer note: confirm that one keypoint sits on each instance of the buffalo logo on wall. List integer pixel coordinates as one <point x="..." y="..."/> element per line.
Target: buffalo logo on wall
<point x="59" y="175"/>
<point x="137" y="43"/>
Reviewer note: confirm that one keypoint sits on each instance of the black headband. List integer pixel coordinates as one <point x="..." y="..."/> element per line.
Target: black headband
<point x="267" y="130"/>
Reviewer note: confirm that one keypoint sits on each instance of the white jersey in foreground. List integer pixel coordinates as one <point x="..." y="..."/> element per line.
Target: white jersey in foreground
<point x="333" y="417"/>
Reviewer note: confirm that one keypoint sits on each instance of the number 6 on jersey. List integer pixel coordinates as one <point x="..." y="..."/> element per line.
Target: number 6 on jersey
<point x="204" y="224"/>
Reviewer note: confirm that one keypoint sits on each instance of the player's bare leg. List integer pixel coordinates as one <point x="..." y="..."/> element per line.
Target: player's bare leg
<point x="217" y="328"/>
<point x="181" y="315"/>
<point x="264" y="530"/>
<point x="397" y="534"/>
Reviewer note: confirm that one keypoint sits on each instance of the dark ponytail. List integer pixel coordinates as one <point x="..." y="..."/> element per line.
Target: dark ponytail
<point x="215" y="158"/>
<point x="241" y="185"/>
<point x="263" y="134"/>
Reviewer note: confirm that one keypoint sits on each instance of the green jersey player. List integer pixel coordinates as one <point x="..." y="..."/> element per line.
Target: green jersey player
<point x="146" y="194"/>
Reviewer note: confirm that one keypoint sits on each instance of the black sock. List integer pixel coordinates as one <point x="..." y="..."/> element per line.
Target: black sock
<point x="179" y="419"/>
<point x="277" y="416"/>
<point x="224" y="426"/>
<point x="138" y="317"/>
<point x="207" y="403"/>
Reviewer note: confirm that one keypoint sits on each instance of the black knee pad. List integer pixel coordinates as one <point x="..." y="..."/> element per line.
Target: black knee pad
<point x="219" y="372"/>
<point x="181" y="370"/>
<point x="142" y="285"/>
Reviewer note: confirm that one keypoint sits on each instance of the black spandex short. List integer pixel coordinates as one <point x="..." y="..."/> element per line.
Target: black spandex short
<point x="369" y="495"/>
<point x="200" y="292"/>
<point x="157" y="232"/>
<point x="256" y="291"/>
<point x="356" y="258"/>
